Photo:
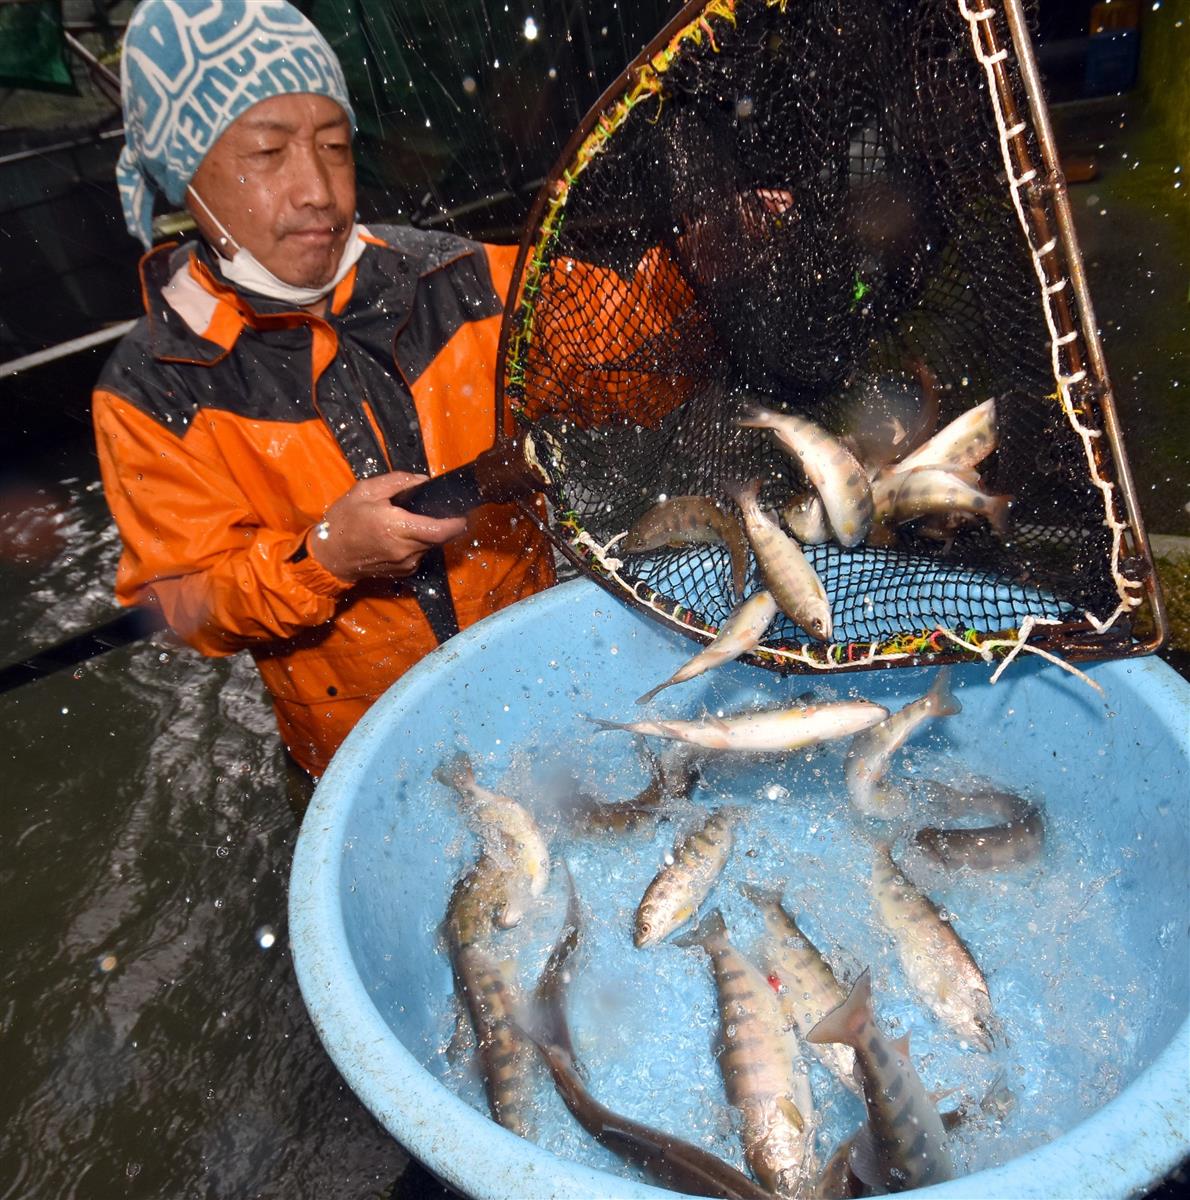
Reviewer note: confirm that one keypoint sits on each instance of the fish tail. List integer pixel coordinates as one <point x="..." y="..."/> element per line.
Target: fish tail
<point x="456" y="772"/>
<point x="604" y="726"/>
<point x="659" y="688"/>
<point x="943" y="702"/>
<point x="743" y="493"/>
<point x="846" y="1023"/>
<point x="997" y="513"/>
<point x="754" y="416"/>
<point x="703" y="930"/>
<point x="762" y="897"/>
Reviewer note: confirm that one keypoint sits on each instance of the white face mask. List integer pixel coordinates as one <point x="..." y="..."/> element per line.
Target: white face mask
<point x="246" y="270"/>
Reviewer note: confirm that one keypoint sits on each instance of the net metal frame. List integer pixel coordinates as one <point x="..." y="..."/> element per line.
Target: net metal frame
<point x="999" y="42"/>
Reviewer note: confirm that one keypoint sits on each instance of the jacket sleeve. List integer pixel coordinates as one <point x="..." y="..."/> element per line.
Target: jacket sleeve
<point x="193" y="544"/>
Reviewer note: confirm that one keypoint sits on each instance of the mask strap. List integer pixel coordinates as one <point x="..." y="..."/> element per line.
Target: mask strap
<point x="225" y="235"/>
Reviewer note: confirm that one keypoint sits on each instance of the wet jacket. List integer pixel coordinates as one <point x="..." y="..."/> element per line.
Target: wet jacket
<point x="226" y="425"/>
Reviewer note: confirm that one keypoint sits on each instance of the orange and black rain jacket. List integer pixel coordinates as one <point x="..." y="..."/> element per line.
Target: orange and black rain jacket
<point x="227" y="423"/>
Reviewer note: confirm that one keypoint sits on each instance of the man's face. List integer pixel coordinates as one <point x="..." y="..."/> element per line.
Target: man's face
<point x="281" y="179"/>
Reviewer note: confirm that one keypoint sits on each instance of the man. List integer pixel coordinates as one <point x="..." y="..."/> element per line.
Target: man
<point x="293" y="373"/>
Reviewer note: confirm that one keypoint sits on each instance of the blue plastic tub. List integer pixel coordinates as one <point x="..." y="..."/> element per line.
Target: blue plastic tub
<point x="1100" y="1027"/>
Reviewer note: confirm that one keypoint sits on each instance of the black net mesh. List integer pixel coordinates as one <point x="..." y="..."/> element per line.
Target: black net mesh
<point x="806" y="205"/>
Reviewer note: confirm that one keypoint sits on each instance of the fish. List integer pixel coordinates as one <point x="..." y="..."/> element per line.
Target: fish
<point x="676" y="891"/>
<point x="667" y="1160"/>
<point x="506" y="829"/>
<point x="935" y="959"/>
<point x="482" y="900"/>
<point x="965" y="442"/>
<point x="806" y="518"/>
<point x="871" y="753"/>
<point x="759" y="1061"/>
<point x="886" y="418"/>
<point x="740" y="633"/>
<point x="835" y="473"/>
<point x="673" y="775"/>
<point x="763" y="729"/>
<point x="807" y="989"/>
<point x="1020" y="840"/>
<point x="487" y="988"/>
<point x="786" y="571"/>
<point x="685" y="520"/>
<point x="931" y="492"/>
<point x="903" y="1145"/>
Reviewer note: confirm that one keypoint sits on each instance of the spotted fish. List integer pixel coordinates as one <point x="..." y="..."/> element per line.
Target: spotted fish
<point x="936" y="962"/>
<point x="507" y="830"/>
<point x="758" y="1059"/>
<point x="786" y="571"/>
<point x="834" y="472"/>
<point x="677" y="890"/>
<point x="965" y="442"/>
<point x="871" y="752"/>
<point x="487" y="987"/>
<point x="932" y="492"/>
<point x="903" y="1146"/>
<point x="807" y="987"/>
<point x="806" y="518"/>
<point x="673" y="775"/>
<point x="687" y="520"/>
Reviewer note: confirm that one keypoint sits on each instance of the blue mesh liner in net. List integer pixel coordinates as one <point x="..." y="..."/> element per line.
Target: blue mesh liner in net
<point x="869" y="601"/>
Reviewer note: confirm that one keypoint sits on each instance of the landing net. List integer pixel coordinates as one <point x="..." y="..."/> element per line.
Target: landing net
<point x="851" y="212"/>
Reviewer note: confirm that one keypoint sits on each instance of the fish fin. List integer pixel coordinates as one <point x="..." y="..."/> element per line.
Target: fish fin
<point x="462" y="1036"/>
<point x="846" y="1022"/>
<point x="953" y="1118"/>
<point x="754" y="416"/>
<point x="456" y="772"/>
<point x="792" y="1113"/>
<point x="709" y="926"/>
<point x="864" y="1159"/>
<point x="997" y="513"/>
<point x="936" y="1098"/>
<point x="943" y="701"/>
<point x="901" y="1046"/>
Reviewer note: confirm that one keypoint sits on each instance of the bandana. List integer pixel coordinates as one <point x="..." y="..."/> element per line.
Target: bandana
<point x="190" y="67"/>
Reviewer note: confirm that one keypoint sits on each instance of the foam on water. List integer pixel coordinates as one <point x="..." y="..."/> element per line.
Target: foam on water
<point x="1051" y="939"/>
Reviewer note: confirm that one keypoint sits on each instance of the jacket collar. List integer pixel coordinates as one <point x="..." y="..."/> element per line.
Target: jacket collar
<point x="402" y="255"/>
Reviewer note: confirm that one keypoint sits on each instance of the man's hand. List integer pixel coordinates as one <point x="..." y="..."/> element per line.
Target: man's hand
<point x="368" y="536"/>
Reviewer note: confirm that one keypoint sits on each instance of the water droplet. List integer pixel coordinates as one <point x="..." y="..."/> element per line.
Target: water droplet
<point x="266" y="937"/>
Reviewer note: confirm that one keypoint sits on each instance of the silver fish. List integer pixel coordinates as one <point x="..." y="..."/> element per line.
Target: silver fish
<point x="758" y="1062"/>
<point x="903" y="1145"/>
<point x="965" y="442"/>
<point x="872" y="751"/>
<point x="677" y="890"/>
<point x="764" y="729"/>
<point x="831" y="468"/>
<point x="740" y="633"/>
<point x="1020" y="840"/>
<point x="786" y="571"/>
<point x="806" y="518"/>
<point x="936" y="962"/>
<point x="685" y="520"/>
<point x="807" y="989"/>
<point x="507" y="830"/>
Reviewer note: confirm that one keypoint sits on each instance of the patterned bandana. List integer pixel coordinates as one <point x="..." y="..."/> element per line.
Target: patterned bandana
<point x="190" y="67"/>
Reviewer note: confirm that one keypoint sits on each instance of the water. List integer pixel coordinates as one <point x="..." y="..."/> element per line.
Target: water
<point x="154" y="1044"/>
<point x="645" y="1022"/>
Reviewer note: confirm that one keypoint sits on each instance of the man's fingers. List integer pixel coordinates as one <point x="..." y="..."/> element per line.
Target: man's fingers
<point x="431" y="530"/>
<point x="384" y="487"/>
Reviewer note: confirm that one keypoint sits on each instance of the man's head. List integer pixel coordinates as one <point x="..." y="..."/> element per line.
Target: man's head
<point x="243" y="102"/>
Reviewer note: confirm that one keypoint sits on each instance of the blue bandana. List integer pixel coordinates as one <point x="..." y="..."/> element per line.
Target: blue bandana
<point x="190" y="67"/>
